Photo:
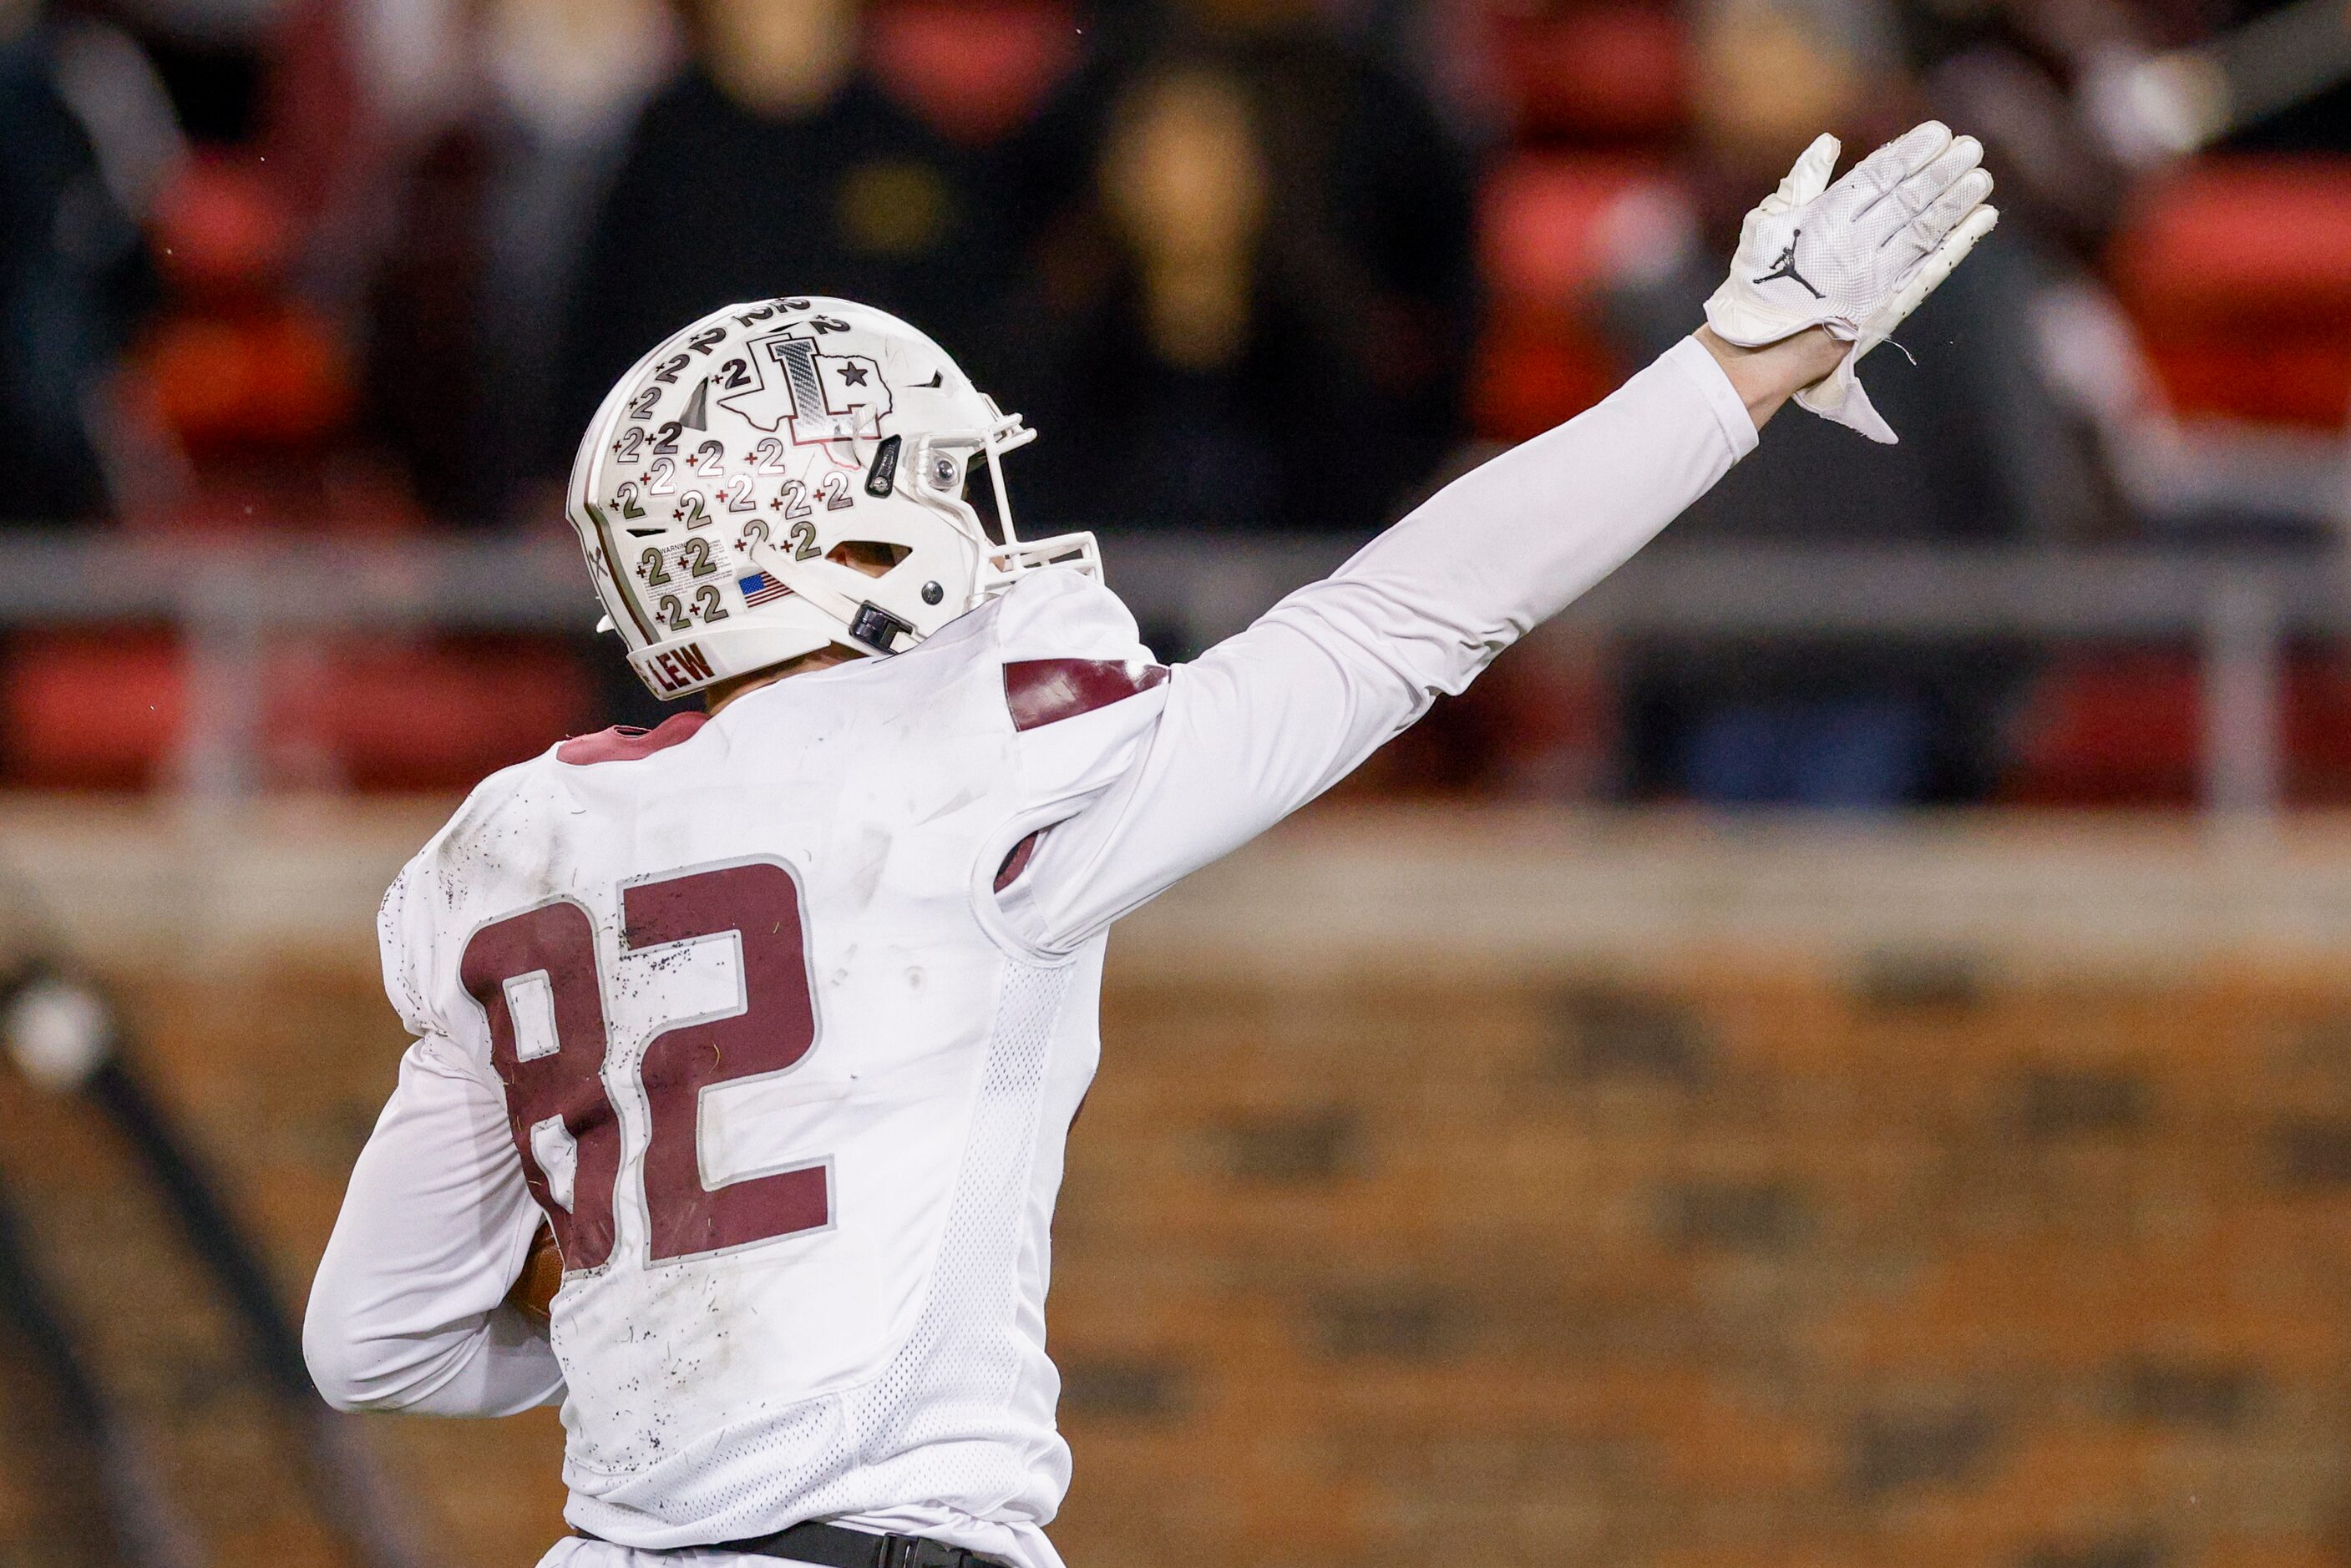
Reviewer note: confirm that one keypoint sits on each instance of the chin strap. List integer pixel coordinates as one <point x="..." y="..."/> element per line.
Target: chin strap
<point x="867" y="624"/>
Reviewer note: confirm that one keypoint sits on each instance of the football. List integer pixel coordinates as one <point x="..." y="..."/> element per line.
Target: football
<point x="533" y="1293"/>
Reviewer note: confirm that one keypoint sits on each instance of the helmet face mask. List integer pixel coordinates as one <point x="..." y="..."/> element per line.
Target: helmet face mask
<point x="790" y="475"/>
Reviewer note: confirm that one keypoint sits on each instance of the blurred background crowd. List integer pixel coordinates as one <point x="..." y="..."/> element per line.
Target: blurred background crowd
<point x="275" y="270"/>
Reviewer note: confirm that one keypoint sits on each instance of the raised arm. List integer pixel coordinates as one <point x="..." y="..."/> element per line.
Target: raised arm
<point x="1270" y="718"/>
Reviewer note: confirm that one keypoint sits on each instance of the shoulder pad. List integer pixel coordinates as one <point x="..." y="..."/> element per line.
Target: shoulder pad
<point x="1053" y="613"/>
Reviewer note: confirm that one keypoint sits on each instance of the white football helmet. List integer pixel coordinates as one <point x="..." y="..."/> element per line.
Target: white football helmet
<point x="790" y="473"/>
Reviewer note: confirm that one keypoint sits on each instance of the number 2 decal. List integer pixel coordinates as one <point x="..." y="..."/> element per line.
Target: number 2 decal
<point x="544" y="958"/>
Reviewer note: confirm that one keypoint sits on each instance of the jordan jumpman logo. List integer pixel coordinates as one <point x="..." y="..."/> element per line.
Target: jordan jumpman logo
<point x="1786" y="268"/>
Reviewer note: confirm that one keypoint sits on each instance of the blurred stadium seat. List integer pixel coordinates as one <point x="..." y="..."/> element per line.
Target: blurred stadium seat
<point x="268" y="376"/>
<point x="433" y="716"/>
<point x="2126" y="729"/>
<point x="2238" y="271"/>
<point x="105" y="712"/>
<point x="237" y="359"/>
<point x="92" y="710"/>
<point x="2109" y="728"/>
<point x="975" y="69"/>
<point x="1552" y="229"/>
<point x="1593" y="73"/>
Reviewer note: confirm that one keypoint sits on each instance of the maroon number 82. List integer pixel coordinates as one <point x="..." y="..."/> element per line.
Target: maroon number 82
<point x="759" y="903"/>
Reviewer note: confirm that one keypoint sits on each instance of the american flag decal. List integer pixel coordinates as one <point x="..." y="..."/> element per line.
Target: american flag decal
<point x="758" y="589"/>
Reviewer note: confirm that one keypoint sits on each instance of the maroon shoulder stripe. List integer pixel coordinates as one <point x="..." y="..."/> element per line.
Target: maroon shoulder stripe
<point x="623" y="744"/>
<point x="1047" y="690"/>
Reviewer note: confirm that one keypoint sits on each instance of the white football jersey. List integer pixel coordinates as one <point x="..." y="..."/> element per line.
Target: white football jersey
<point x="780" y="1016"/>
<point x="791" y="1092"/>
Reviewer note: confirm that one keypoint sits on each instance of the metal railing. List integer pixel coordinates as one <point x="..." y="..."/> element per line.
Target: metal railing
<point x="229" y="601"/>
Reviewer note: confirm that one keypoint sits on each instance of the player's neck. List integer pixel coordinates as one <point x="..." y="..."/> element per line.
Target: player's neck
<point x="716" y="697"/>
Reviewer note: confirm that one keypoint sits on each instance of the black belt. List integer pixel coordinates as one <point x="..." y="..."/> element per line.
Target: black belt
<point x="834" y="1547"/>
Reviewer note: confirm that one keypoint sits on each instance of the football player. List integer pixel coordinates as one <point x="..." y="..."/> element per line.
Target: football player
<point x="776" y="1016"/>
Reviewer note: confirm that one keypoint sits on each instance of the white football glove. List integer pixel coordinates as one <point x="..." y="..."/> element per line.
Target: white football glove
<point x="1856" y="257"/>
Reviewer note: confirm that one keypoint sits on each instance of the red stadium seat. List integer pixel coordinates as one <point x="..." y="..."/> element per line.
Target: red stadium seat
<point x="1555" y="227"/>
<point x="2109" y="730"/>
<point x="2238" y="271"/>
<point x="1604" y="72"/>
<point x="237" y="360"/>
<point x="2126" y="730"/>
<point x="974" y="68"/>
<point x="427" y="716"/>
<point x="86" y="711"/>
<point x="90" y="711"/>
<point x="1553" y="230"/>
<point x="2317" y="738"/>
<point x="1535" y="369"/>
<point x="273" y="375"/>
<point x="222" y="227"/>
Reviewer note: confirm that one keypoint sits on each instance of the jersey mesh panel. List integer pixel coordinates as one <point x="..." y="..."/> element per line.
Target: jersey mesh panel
<point x="940" y="1423"/>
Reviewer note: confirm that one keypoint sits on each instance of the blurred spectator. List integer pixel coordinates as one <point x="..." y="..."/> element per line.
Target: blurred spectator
<point x="2214" y="388"/>
<point x="778" y="163"/>
<point x="85" y="139"/>
<point x="2008" y="69"/>
<point x="2321" y="123"/>
<point x="471" y="303"/>
<point x="1987" y="452"/>
<point x="299" y="110"/>
<point x="212" y="56"/>
<point x="1263" y="315"/>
